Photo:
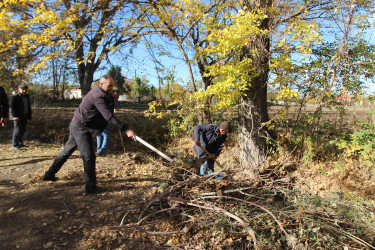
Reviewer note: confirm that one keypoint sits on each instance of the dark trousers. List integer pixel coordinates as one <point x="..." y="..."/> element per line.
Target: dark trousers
<point x="81" y="138"/>
<point x="18" y="132"/>
<point x="207" y="167"/>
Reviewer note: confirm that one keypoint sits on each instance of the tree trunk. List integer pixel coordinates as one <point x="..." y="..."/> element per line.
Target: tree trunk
<point x="85" y="70"/>
<point x="206" y="116"/>
<point x="253" y="106"/>
<point x="86" y="77"/>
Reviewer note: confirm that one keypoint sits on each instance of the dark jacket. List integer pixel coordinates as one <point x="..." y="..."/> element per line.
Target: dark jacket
<point x="112" y="104"/>
<point x="4" y="105"/>
<point x="94" y="112"/>
<point x="210" y="138"/>
<point x="17" y="108"/>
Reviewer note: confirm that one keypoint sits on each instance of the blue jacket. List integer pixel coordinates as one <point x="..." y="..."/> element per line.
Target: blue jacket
<point x="95" y="112"/>
<point x="210" y="138"/>
<point x="17" y="108"/>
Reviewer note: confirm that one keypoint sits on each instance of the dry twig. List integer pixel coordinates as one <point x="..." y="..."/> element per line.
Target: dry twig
<point x="66" y="207"/>
<point x="289" y="237"/>
<point x="169" y="190"/>
<point x="349" y="235"/>
<point x="220" y="210"/>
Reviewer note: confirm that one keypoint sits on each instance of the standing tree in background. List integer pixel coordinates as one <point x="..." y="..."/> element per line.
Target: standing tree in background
<point x="62" y="72"/>
<point x="59" y="73"/>
<point x="115" y="72"/>
<point x="91" y="30"/>
<point x="7" y="79"/>
<point x="185" y="23"/>
<point x="141" y="88"/>
<point x="15" y="59"/>
<point x="153" y="92"/>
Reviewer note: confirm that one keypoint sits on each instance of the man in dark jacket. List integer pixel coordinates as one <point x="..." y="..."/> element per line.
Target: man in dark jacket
<point x="104" y="138"/>
<point x="20" y="110"/>
<point x="210" y="137"/>
<point x="91" y="117"/>
<point x="4" y="107"/>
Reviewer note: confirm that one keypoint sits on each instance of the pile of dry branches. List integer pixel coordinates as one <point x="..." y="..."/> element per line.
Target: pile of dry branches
<point x="263" y="212"/>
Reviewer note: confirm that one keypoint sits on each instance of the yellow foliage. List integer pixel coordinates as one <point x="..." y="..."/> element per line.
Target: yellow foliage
<point x="232" y="77"/>
<point x="47" y="24"/>
<point x="153" y="110"/>
<point x="286" y="93"/>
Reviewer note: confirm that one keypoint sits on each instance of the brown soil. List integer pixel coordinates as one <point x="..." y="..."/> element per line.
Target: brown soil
<point x="44" y="215"/>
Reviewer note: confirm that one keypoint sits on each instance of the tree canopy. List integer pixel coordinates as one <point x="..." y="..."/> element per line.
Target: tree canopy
<point x="90" y="30"/>
<point x="239" y="48"/>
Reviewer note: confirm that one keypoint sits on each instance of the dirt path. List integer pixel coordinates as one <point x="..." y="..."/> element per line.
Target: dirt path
<point x="47" y="215"/>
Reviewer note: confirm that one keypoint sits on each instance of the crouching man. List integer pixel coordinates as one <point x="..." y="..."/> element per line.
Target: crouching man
<point x="210" y="137"/>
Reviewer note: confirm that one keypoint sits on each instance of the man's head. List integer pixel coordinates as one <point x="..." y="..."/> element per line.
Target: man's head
<point x="224" y="128"/>
<point x="107" y="83"/>
<point x="22" y="88"/>
<point x="116" y="94"/>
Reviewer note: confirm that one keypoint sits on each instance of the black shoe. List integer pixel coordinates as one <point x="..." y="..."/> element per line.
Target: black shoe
<point x="24" y="146"/>
<point x="15" y="148"/>
<point x="95" y="190"/>
<point x="49" y="178"/>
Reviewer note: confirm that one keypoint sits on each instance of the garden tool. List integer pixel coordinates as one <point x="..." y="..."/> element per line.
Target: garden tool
<point x="154" y="149"/>
<point x="122" y="140"/>
<point x="206" y="157"/>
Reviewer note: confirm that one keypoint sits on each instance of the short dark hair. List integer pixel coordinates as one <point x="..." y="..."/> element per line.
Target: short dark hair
<point x="22" y="86"/>
<point x="225" y="126"/>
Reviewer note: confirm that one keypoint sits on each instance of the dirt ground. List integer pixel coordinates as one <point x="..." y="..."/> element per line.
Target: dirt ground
<point x="58" y="215"/>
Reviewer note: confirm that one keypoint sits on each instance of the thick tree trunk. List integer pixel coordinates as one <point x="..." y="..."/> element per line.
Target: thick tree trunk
<point x="252" y="113"/>
<point x="253" y="107"/>
<point x="86" y="77"/>
<point x="85" y="70"/>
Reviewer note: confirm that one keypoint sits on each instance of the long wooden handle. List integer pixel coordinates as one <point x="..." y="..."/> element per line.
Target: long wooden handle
<point x="122" y="141"/>
<point x="154" y="149"/>
<point x="205" y="150"/>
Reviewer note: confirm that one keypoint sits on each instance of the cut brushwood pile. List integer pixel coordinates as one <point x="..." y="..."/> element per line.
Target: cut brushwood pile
<point x="202" y="212"/>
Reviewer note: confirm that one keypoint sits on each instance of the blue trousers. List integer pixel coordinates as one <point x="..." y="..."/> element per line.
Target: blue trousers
<point x="207" y="167"/>
<point x="18" y="132"/>
<point x="81" y="138"/>
<point x="103" y="140"/>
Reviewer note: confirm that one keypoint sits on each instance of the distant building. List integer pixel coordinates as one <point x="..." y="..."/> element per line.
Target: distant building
<point x="343" y="98"/>
<point x="122" y="98"/>
<point x="72" y="94"/>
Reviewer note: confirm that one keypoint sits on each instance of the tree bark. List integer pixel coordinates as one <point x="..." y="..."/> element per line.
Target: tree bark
<point x="253" y="106"/>
<point x="206" y="116"/>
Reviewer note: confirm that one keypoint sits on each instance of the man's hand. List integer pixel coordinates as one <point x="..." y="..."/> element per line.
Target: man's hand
<point x="3" y="122"/>
<point x="198" y="142"/>
<point x="130" y="133"/>
<point x="212" y="156"/>
<point x="16" y="119"/>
